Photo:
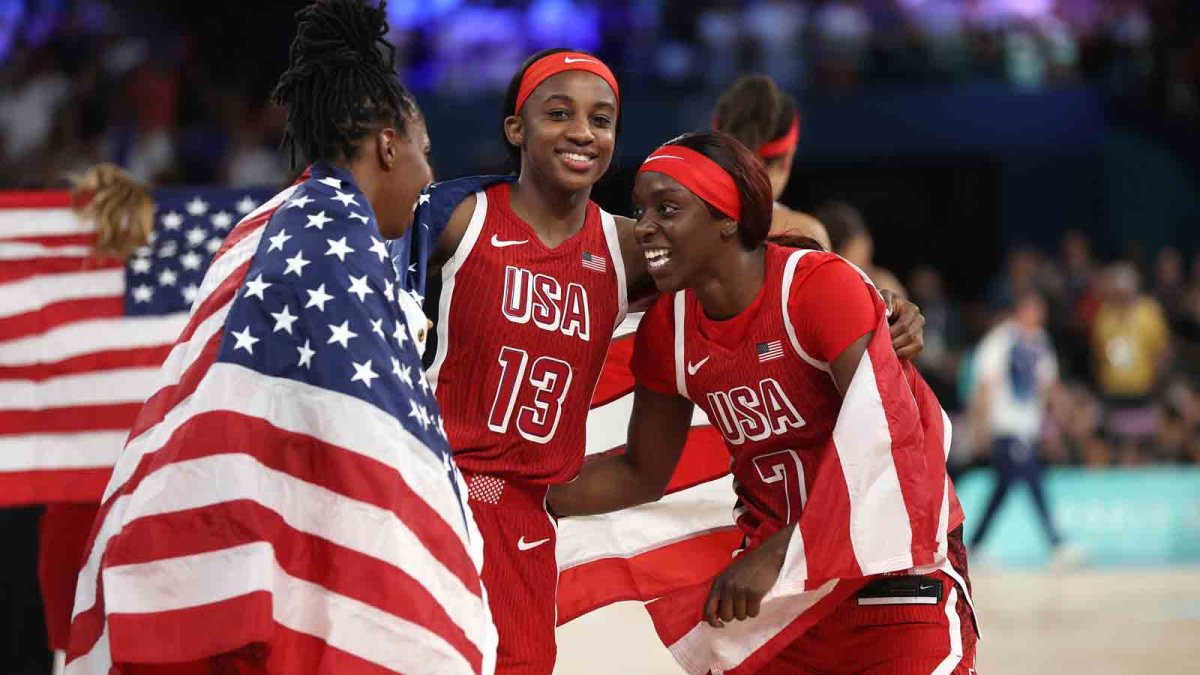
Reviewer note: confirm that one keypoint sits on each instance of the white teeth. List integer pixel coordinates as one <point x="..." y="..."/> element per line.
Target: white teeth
<point x="657" y="258"/>
<point x="576" y="157"/>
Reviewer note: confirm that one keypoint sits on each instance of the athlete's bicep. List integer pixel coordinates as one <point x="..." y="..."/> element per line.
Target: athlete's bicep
<point x="831" y="308"/>
<point x="452" y="236"/>
<point x="658" y="429"/>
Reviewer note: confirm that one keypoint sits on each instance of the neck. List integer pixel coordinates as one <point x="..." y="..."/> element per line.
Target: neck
<point x="732" y="285"/>
<point x="556" y="215"/>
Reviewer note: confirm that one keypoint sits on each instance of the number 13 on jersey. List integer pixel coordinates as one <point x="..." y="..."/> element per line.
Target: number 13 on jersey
<point x="534" y="392"/>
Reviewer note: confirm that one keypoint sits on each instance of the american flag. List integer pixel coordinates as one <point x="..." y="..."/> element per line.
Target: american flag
<point x="594" y="262"/>
<point x="288" y="481"/>
<point x="769" y="351"/>
<point x="667" y="553"/>
<point x="81" y="337"/>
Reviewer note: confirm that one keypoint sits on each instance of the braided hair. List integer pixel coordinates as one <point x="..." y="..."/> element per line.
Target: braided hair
<point x="341" y="79"/>
<point x="754" y="111"/>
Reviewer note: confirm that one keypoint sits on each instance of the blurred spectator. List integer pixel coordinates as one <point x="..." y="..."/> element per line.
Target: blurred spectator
<point x="1130" y="339"/>
<point x="852" y="240"/>
<point x="1170" y="284"/>
<point x="1017" y="370"/>
<point x="940" y="358"/>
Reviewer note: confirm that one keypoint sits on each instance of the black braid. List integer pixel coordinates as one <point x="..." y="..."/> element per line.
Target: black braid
<point x="341" y="78"/>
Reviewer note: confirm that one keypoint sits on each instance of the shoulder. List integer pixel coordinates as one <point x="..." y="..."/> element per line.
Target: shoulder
<point x="785" y="221"/>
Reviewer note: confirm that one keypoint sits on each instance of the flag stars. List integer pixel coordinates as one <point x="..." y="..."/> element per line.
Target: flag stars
<point x="172" y="220"/>
<point x="255" y="288"/>
<point x="222" y="220"/>
<point x="300" y="201"/>
<point x="359" y="287"/>
<point x="363" y="373"/>
<point x="278" y="241"/>
<point x="360" y="217"/>
<point x="306" y="354"/>
<point x="379" y="248"/>
<point x="140" y="265"/>
<point x="296" y="263"/>
<point x="422" y="381"/>
<point x="389" y="289"/>
<point x="142" y="293"/>
<point x="317" y="298"/>
<point x="213" y="245"/>
<point x="418" y="413"/>
<point x="318" y="221"/>
<point x="345" y="198"/>
<point x="167" y="277"/>
<point x="190" y="292"/>
<point x="168" y="250"/>
<point x="331" y="182"/>
<point x="191" y="260"/>
<point x="196" y="207"/>
<point x="244" y="340"/>
<point x="284" y="320"/>
<point x="339" y="248"/>
<point x="400" y="334"/>
<point x="377" y="328"/>
<point x="245" y="205"/>
<point x="341" y="334"/>
<point x="196" y="236"/>
<point x="423" y="199"/>
<point x="405" y="374"/>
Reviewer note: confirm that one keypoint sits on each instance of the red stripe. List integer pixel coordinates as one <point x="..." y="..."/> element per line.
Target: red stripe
<point x="616" y="379"/>
<point x="60" y="313"/>
<point x="112" y="359"/>
<point x="41" y="199"/>
<point x="15" y="270"/>
<point x="107" y="417"/>
<point x="161" y="401"/>
<point x="339" y="569"/>
<point x="825" y="526"/>
<point x="52" y="240"/>
<point x="18" y="488"/>
<point x="646" y="576"/>
<point x="220" y="296"/>
<point x="243" y="230"/>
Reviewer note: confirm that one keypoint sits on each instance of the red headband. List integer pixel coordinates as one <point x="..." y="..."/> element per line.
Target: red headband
<point x="704" y="177"/>
<point x="558" y="62"/>
<point x="784" y="144"/>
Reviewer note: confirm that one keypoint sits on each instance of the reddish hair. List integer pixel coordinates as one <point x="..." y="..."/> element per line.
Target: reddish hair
<point x="749" y="175"/>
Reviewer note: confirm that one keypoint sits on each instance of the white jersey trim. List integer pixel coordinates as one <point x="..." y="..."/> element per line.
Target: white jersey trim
<point x="613" y="239"/>
<point x="680" y="331"/>
<point x="449" y="272"/>
<point x="789" y="272"/>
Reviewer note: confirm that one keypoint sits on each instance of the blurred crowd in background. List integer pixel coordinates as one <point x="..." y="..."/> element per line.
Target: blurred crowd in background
<point x="178" y="93"/>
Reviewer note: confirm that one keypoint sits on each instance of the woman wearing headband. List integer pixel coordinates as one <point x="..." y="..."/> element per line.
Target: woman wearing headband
<point x="837" y="449"/>
<point x="765" y="119"/>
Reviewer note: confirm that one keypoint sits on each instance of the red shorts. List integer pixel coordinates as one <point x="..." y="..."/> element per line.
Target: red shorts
<point x="520" y="572"/>
<point x="892" y="628"/>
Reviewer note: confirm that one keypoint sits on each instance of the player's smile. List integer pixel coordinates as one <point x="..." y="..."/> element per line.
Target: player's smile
<point x="580" y="160"/>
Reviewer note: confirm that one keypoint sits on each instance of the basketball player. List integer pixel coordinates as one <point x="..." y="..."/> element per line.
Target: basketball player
<point x="767" y="341"/>
<point x="765" y="119"/>
<point x="534" y="278"/>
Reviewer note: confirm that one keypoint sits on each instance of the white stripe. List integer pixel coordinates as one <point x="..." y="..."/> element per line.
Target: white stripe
<point x="341" y="622"/>
<point x="33" y="293"/>
<point x="449" y="274"/>
<point x="897" y="601"/>
<point x="41" y="223"/>
<point x="793" y="574"/>
<point x="40" y="452"/>
<point x="613" y="238"/>
<point x="126" y="385"/>
<point x="226" y="263"/>
<point x="98" y="660"/>
<point x="705" y="648"/>
<point x="358" y="526"/>
<point x="19" y="250"/>
<point x="607" y="426"/>
<point x="956" y="647"/>
<point x="680" y="342"/>
<point x="880" y="532"/>
<point x="291" y="406"/>
<point x="789" y="272"/>
<point x="95" y="335"/>
<point x="681" y="515"/>
<point x="629" y="325"/>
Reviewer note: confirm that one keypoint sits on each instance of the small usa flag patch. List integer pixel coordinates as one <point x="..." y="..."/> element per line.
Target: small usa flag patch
<point x="769" y="351"/>
<point x="595" y="263"/>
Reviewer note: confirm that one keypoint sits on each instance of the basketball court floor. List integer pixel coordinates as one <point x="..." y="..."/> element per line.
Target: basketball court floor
<point x="1102" y="622"/>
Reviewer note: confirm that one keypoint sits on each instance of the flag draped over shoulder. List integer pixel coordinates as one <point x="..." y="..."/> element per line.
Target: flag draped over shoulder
<point x="288" y="485"/>
<point x="82" y="336"/>
<point x="890" y="461"/>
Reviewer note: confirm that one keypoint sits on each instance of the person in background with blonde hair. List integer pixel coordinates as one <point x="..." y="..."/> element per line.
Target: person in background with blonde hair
<point x="123" y="213"/>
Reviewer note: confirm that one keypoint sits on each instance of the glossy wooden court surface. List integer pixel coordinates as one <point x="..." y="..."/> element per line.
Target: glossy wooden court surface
<point x="1103" y="622"/>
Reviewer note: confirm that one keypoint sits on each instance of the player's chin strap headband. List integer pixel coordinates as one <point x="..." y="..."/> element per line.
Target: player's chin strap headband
<point x="704" y="177"/>
<point x="784" y="144"/>
<point x="558" y="62"/>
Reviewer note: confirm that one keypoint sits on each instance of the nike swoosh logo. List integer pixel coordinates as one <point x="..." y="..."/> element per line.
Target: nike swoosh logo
<point x="567" y="59"/>
<point x="526" y="545"/>
<point x="694" y="367"/>
<point x="500" y="243"/>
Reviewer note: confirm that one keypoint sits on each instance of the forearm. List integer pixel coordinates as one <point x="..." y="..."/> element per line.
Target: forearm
<point x="607" y="484"/>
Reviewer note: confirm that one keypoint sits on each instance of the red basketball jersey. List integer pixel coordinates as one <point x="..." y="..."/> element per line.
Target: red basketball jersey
<point x="764" y="381"/>
<point x="522" y="334"/>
